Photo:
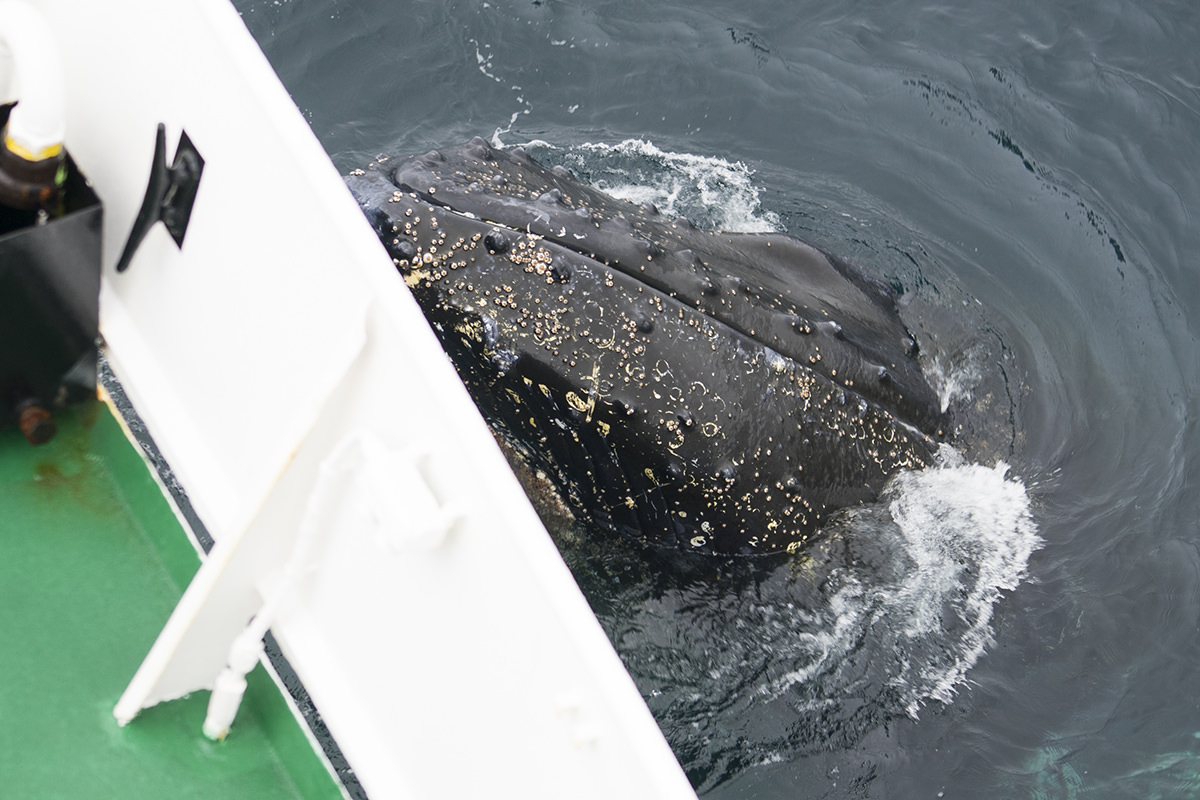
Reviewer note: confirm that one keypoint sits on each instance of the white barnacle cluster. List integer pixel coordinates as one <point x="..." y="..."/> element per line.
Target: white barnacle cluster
<point x="534" y="259"/>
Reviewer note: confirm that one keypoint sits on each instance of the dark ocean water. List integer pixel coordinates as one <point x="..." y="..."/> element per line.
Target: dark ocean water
<point x="1022" y="622"/>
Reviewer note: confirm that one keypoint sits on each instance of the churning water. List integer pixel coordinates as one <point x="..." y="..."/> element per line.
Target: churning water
<point x="1020" y="620"/>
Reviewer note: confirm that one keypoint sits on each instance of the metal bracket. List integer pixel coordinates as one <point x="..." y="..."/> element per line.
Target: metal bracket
<point x="169" y="195"/>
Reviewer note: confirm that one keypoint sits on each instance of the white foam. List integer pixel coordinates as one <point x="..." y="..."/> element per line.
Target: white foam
<point x="969" y="533"/>
<point x="706" y="189"/>
<point x="724" y="187"/>
<point x="963" y="534"/>
<point x="954" y="382"/>
<point x="833" y="637"/>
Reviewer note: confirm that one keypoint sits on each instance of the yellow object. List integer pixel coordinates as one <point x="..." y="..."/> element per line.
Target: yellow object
<point x="50" y="151"/>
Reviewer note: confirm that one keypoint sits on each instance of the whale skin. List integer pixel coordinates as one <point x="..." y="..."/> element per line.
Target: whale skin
<point x="722" y="393"/>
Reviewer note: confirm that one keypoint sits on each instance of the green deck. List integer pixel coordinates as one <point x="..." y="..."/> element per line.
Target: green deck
<point x="92" y="561"/>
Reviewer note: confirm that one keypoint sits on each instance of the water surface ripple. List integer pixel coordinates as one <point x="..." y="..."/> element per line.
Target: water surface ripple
<point x="1027" y="175"/>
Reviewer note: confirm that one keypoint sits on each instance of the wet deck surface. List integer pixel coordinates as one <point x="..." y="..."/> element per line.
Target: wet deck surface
<point x="92" y="561"/>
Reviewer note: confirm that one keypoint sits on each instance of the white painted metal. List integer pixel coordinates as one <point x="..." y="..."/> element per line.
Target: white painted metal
<point x="290" y="380"/>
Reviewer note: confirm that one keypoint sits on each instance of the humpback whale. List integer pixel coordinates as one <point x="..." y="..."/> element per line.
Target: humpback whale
<point x="714" y="392"/>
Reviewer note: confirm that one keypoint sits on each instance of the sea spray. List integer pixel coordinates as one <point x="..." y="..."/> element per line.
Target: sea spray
<point x="948" y="540"/>
<point x="968" y="533"/>
<point x="710" y="191"/>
